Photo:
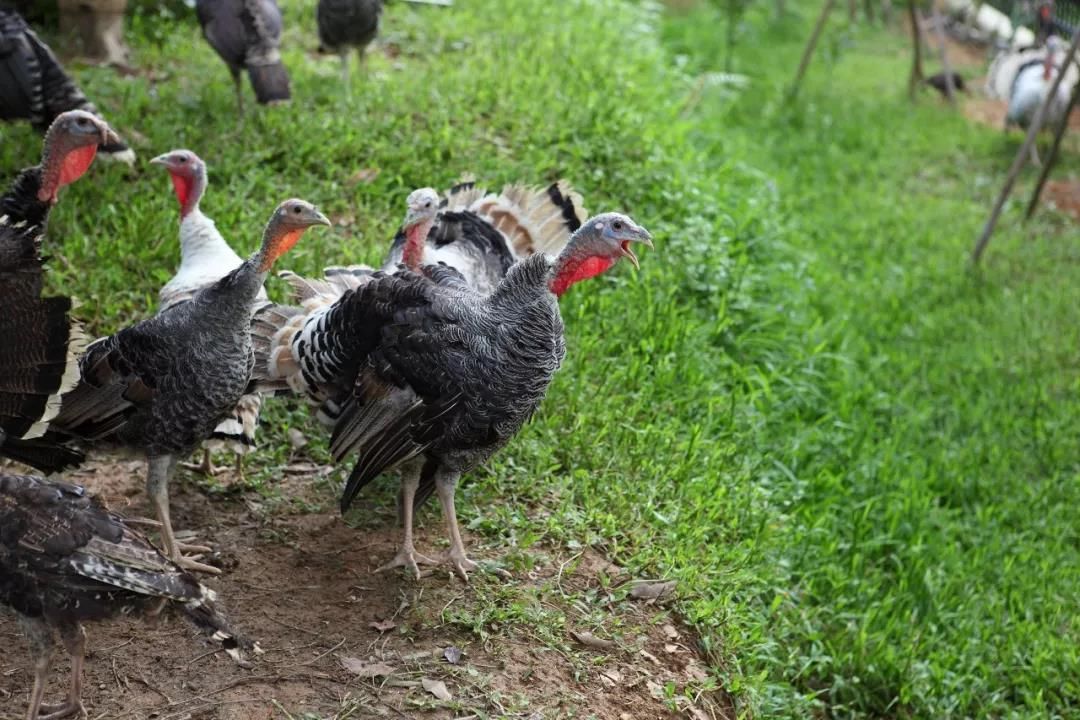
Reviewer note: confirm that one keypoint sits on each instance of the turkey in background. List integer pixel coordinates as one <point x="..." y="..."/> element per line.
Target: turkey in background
<point x="35" y="87"/>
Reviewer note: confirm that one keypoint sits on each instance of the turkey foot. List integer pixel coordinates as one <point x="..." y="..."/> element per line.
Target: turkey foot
<point x="56" y="712"/>
<point x="206" y="467"/>
<point x="462" y="565"/>
<point x="407" y="557"/>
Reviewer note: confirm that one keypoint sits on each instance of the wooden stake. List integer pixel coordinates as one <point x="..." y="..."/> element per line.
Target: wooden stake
<point x="1059" y="132"/>
<point x="1022" y="155"/>
<point x="916" y="41"/>
<point x="808" y="51"/>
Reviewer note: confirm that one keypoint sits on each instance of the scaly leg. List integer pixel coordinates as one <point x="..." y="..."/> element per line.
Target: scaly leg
<point x="206" y="467"/>
<point x="41" y="649"/>
<point x="157" y="486"/>
<point x="74" y="638"/>
<point x="407" y="555"/>
<point x="446" y="485"/>
<point x="238" y="84"/>
<point x="344" y="54"/>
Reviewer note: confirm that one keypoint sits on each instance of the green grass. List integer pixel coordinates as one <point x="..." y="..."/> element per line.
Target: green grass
<point x="858" y="457"/>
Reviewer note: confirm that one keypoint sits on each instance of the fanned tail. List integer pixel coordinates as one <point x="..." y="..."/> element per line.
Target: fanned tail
<point x="237" y="431"/>
<point x="270" y="82"/>
<point x="535" y="219"/>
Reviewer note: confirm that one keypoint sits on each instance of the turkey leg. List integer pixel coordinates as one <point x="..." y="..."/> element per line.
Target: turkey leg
<point x="41" y="649"/>
<point x="74" y="638"/>
<point x="407" y="555"/>
<point x="239" y="91"/>
<point x="446" y="485"/>
<point x="157" y="486"/>
<point x="345" y="60"/>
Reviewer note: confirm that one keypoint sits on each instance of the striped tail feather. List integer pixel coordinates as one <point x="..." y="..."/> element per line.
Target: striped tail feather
<point x="237" y="431"/>
<point x="535" y="219"/>
<point x="204" y="614"/>
<point x="38" y="363"/>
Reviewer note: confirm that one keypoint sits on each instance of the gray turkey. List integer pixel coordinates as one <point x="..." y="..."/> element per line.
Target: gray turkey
<point x="35" y="87"/>
<point x="164" y="384"/>
<point x="424" y="373"/>
<point x="205" y="258"/>
<point x="65" y="560"/>
<point x="347" y="24"/>
<point x="247" y="36"/>
<point x="39" y="356"/>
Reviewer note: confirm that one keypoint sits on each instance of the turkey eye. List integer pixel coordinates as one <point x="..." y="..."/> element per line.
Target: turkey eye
<point x="617" y="225"/>
<point x="296" y="209"/>
<point x="183" y="159"/>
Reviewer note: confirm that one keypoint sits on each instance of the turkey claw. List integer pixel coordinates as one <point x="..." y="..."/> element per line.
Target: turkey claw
<point x="192" y="564"/>
<point x="408" y="558"/>
<point x="462" y="566"/>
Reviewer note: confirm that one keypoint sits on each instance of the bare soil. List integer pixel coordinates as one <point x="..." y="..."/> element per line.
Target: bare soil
<point x="301" y="583"/>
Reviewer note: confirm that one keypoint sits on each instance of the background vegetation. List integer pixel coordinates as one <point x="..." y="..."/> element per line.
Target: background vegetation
<point x="857" y="456"/>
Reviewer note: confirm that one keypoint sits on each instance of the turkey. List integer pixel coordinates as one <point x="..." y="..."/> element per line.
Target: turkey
<point x="39" y="357"/>
<point x="1030" y="87"/>
<point x="164" y="384"/>
<point x="205" y="258"/>
<point x="66" y="560"/>
<point x="247" y="36"/>
<point x="347" y="24"/>
<point x="428" y="375"/>
<point x="34" y="86"/>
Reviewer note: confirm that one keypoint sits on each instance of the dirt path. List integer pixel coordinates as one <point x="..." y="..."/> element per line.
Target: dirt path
<point x="301" y="583"/>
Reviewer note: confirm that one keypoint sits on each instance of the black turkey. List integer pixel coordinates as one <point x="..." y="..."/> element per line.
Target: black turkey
<point x="347" y="24"/>
<point x="34" y="86"/>
<point x="431" y="376"/>
<point x="39" y="355"/>
<point x="247" y="36"/>
<point x="163" y="385"/>
<point x="66" y="560"/>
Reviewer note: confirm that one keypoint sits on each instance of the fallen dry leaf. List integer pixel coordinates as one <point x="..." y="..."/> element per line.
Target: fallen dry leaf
<point x="670" y="632"/>
<point x="587" y="639"/>
<point x="671" y="648"/>
<point x="436" y="688"/>
<point x="650" y="657"/>
<point x="365" y="669"/>
<point x="696" y="672"/>
<point x="383" y="625"/>
<point x="697" y="713"/>
<point x="296" y="439"/>
<point x="651" y="590"/>
<point x="611" y="677"/>
<point x="452" y="655"/>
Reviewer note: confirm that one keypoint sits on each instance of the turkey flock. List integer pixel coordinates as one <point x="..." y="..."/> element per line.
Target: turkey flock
<point x="426" y="366"/>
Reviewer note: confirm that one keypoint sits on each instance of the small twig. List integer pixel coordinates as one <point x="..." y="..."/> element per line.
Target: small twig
<point x="320" y="656"/>
<point x="291" y="627"/>
<point x="562" y="566"/>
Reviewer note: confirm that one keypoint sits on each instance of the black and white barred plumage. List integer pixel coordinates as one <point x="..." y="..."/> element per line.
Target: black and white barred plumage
<point x="35" y="87"/>
<point x="66" y="560"/>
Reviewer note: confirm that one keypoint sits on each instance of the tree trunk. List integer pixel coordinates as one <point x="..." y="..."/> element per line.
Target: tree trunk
<point x="1059" y="133"/>
<point x="1022" y="154"/>
<point x="868" y="8"/>
<point x="808" y="51"/>
<point x="916" y="41"/>
<point x="853" y="10"/>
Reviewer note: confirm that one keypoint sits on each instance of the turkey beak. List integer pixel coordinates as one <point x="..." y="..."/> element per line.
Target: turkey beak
<point x="161" y="160"/>
<point x="642" y="236"/>
<point x="317" y="218"/>
<point x="109" y="136"/>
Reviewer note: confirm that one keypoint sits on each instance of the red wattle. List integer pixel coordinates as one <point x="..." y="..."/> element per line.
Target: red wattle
<point x="413" y="252"/>
<point x="573" y="272"/>
<point x="182" y="186"/>
<point x="75" y="164"/>
<point x="279" y="246"/>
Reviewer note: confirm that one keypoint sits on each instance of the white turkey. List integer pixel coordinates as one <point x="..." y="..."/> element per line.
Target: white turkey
<point x="205" y="258"/>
